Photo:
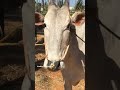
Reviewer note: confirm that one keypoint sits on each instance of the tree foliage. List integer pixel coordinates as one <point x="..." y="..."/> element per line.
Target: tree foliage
<point x="38" y="7"/>
<point x="79" y="5"/>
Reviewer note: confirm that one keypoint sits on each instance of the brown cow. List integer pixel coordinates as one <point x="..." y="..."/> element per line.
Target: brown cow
<point x="39" y="23"/>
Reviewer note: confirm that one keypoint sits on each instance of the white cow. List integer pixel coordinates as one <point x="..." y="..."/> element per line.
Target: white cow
<point x="64" y="43"/>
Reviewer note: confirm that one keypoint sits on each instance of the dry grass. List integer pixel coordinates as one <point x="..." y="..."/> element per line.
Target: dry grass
<point x="40" y="56"/>
<point x="11" y="26"/>
<point x="40" y="37"/>
<point x="47" y="80"/>
<point x="10" y="73"/>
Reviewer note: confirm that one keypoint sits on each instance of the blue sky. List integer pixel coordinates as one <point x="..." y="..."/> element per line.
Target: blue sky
<point x="72" y="2"/>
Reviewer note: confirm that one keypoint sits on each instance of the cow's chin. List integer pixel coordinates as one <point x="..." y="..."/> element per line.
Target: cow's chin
<point x="61" y="66"/>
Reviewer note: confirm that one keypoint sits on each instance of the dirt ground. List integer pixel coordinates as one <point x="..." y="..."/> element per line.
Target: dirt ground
<point x="48" y="80"/>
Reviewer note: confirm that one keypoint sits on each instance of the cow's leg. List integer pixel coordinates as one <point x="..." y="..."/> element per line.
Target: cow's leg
<point x="29" y="42"/>
<point x="67" y="85"/>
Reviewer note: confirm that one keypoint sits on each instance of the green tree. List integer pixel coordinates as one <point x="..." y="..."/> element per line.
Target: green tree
<point x="43" y="4"/>
<point x="38" y="7"/>
<point x="45" y="8"/>
<point x="79" y="5"/>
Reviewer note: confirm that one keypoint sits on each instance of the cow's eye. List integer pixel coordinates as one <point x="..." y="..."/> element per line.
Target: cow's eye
<point x="68" y="26"/>
<point x="72" y="28"/>
<point x="44" y="25"/>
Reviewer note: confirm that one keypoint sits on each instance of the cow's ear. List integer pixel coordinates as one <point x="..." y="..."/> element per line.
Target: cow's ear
<point x="78" y="18"/>
<point x="39" y="19"/>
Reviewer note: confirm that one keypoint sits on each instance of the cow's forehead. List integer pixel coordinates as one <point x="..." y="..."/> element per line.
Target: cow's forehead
<point x="57" y="16"/>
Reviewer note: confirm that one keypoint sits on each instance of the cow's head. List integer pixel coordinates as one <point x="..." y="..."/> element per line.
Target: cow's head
<point x="39" y="19"/>
<point x="57" y="34"/>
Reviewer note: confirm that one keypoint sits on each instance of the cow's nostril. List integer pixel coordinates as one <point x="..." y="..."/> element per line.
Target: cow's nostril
<point x="53" y="65"/>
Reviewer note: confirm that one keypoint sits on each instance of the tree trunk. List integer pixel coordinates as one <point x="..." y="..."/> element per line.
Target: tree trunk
<point x="43" y="5"/>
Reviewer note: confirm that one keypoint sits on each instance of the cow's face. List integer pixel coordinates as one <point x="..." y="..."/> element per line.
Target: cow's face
<point x="57" y="34"/>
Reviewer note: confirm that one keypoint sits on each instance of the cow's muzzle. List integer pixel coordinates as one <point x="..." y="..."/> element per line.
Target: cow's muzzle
<point x="53" y="65"/>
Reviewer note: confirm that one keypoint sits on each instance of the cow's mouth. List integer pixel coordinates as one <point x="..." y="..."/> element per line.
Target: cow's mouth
<point x="53" y="66"/>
